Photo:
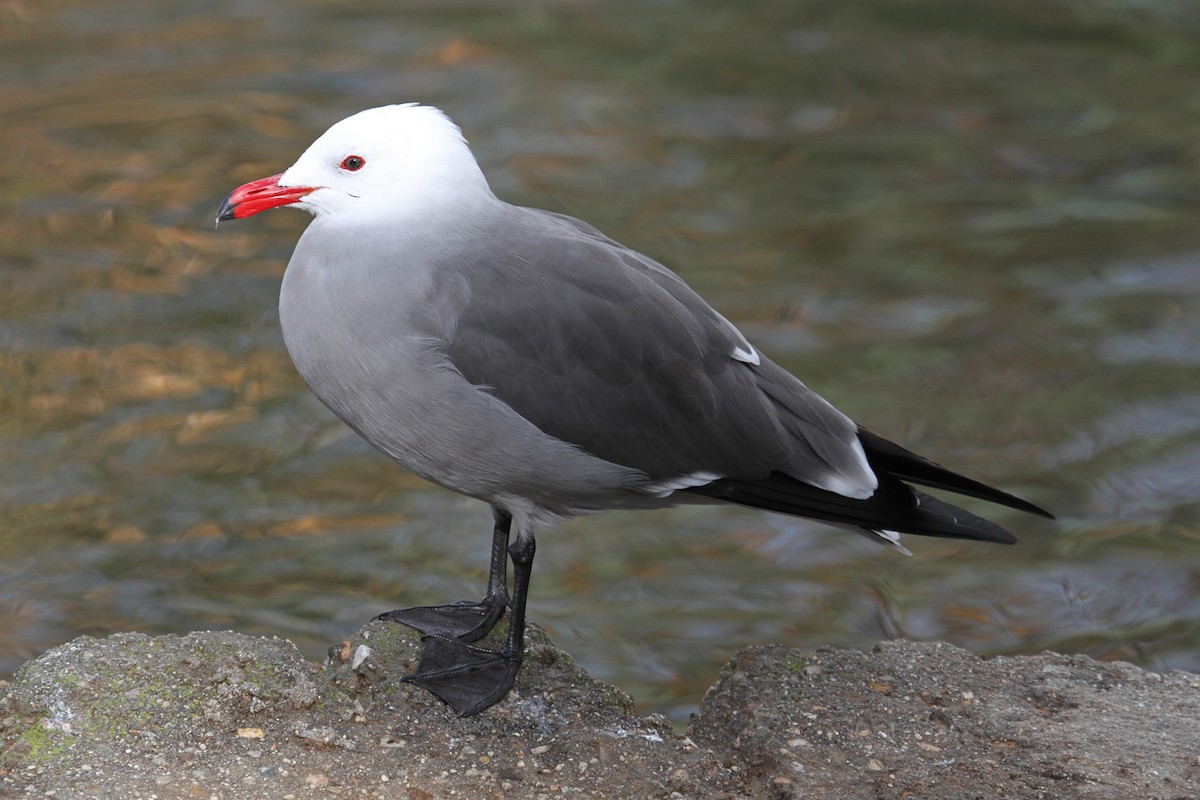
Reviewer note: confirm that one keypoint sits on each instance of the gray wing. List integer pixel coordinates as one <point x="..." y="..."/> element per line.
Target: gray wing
<point x="603" y="348"/>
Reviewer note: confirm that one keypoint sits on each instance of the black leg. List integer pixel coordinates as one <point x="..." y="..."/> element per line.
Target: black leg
<point x="522" y="553"/>
<point x="497" y="590"/>
<point x="471" y="678"/>
<point x="467" y="620"/>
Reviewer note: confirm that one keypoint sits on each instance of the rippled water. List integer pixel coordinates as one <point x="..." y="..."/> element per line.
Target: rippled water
<point x="971" y="225"/>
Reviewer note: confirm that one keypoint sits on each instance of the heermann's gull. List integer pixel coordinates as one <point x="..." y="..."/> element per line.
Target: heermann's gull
<point x="526" y="359"/>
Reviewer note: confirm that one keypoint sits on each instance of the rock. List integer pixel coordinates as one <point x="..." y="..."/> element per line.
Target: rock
<point x="931" y="721"/>
<point x="230" y="716"/>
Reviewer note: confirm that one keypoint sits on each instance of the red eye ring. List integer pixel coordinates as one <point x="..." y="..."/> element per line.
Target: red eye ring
<point x="353" y="163"/>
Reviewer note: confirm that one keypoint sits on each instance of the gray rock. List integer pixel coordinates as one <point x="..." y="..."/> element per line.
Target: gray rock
<point x="231" y="716"/>
<point x="930" y="721"/>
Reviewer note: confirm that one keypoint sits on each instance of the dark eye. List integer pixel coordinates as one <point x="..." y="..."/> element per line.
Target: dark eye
<point x="353" y="163"/>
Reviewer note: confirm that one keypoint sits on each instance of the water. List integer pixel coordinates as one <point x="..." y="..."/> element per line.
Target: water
<point x="972" y="226"/>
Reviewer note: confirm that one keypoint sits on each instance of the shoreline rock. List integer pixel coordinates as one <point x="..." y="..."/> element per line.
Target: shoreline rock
<point x="219" y="714"/>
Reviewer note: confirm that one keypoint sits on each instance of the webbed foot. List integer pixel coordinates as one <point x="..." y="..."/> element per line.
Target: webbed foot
<point x="466" y="620"/>
<point x="467" y="677"/>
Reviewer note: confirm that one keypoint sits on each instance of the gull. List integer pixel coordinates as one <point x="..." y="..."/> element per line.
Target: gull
<point x="526" y="359"/>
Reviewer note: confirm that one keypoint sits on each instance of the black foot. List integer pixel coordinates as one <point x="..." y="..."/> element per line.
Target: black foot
<point x="465" y="620"/>
<point x="468" y="677"/>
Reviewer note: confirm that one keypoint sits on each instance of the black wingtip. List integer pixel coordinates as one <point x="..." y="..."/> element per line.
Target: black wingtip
<point x="888" y="457"/>
<point x="1032" y="509"/>
<point x="895" y="506"/>
<point x="998" y="497"/>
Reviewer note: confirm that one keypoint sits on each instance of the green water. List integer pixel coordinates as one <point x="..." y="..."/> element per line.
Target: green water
<point x="970" y="225"/>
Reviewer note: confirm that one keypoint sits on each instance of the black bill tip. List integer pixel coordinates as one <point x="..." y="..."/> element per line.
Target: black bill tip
<point x="228" y="209"/>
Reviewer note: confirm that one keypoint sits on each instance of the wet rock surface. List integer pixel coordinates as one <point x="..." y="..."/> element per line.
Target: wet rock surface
<point x="223" y="715"/>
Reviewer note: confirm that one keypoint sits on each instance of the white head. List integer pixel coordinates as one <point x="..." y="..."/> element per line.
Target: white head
<point x="391" y="162"/>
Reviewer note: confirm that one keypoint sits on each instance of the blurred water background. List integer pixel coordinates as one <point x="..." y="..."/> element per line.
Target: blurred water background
<point x="971" y="224"/>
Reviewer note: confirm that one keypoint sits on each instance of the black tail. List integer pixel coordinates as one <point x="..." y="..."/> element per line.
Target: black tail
<point x="895" y="506"/>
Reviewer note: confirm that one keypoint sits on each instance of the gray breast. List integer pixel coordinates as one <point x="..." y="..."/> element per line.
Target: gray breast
<point x="370" y="338"/>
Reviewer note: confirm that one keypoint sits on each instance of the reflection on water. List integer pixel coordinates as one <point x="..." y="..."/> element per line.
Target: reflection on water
<point x="970" y="225"/>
